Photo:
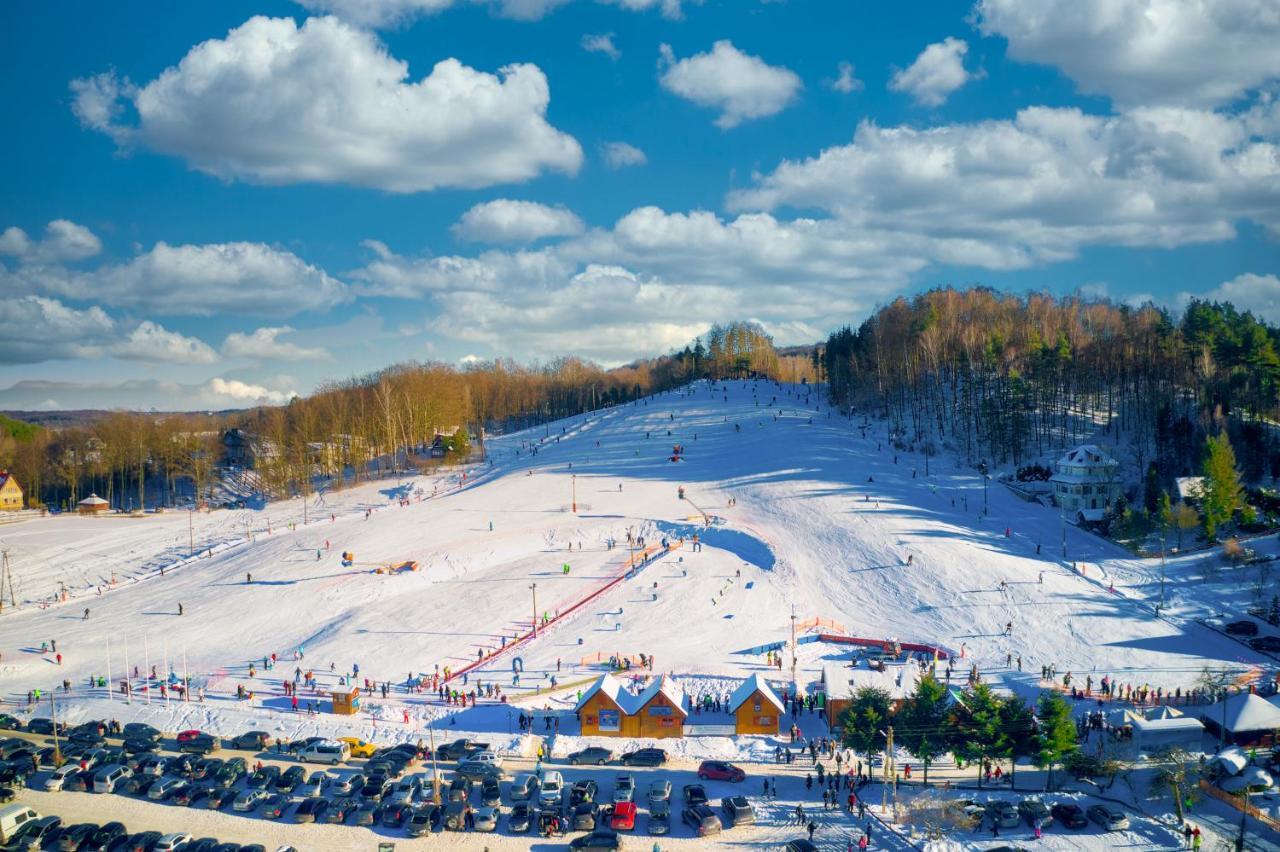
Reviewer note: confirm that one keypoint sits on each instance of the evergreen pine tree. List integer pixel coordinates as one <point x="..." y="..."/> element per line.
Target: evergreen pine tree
<point x="1223" y="493"/>
<point x="862" y="723"/>
<point x="1055" y="736"/>
<point x="920" y="723"/>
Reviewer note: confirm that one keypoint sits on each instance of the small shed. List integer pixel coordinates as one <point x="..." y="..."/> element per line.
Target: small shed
<point x="346" y="702"/>
<point x="756" y="708"/>
<point x="1248" y="719"/>
<point x="840" y="681"/>
<point x="605" y="709"/>
<point x="92" y="505"/>
<point x="660" y="710"/>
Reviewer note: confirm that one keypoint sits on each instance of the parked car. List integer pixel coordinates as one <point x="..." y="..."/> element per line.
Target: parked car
<point x="339" y="809"/>
<point x="597" y="841"/>
<point x="59" y="776"/>
<point x="42" y="725"/>
<point x="645" y="757"/>
<point x="485" y="819"/>
<point x="694" y="794"/>
<point x="406" y="790"/>
<point x="263" y="778"/>
<point x="314" y="785"/>
<point x="10" y="723"/>
<point x="199" y="743"/>
<point x="583" y="816"/>
<point x="274" y="806"/>
<point x="1109" y="816"/>
<point x="172" y="842"/>
<point x="737" y="810"/>
<point x="421" y="820"/>
<point x="358" y="747"/>
<point x="552" y="790"/>
<point x="137" y="745"/>
<point x="520" y="818"/>
<point x="624" y="788"/>
<point x="109" y="777"/>
<point x="478" y="773"/>
<point x="140" y="731"/>
<point x="1003" y="814"/>
<point x="800" y="845"/>
<point x="702" y="820"/>
<point x="1242" y="628"/>
<point x="1072" y="816"/>
<point x="459" y="749"/>
<point x="107" y="835"/>
<point x="1033" y="811"/>
<point x="249" y="800"/>
<point x="490" y="793"/>
<point x="37" y="833"/>
<point x="459" y="790"/>
<point x="525" y="787"/>
<point x="191" y="794"/>
<point x="71" y="837"/>
<point x="165" y="788"/>
<point x="659" y="791"/>
<point x="311" y="810"/>
<point x="348" y="783"/>
<point x="375" y="789"/>
<point x="719" y="770"/>
<point x="455" y="816"/>
<point x="365" y="814"/>
<point x="289" y="779"/>
<point x="623" y="816"/>
<point x="143" y="841"/>
<point x="331" y="752"/>
<point x="592" y="755"/>
<point x="391" y="815"/>
<point x="252" y="740"/>
<point x="583" y="791"/>
<point x="219" y="798"/>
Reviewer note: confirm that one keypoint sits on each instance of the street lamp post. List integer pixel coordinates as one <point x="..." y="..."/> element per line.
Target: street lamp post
<point x="533" y="587"/>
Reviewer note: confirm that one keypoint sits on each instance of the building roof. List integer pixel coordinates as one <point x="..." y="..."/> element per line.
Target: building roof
<point x="1245" y="712"/>
<point x="1164" y="711"/>
<point x="841" y="681"/>
<point x="665" y="687"/>
<point x="1089" y="454"/>
<point x="92" y="500"/>
<point x="611" y="687"/>
<point x="1189" y="487"/>
<point x="1172" y="723"/>
<point x="6" y="478"/>
<point x="750" y="687"/>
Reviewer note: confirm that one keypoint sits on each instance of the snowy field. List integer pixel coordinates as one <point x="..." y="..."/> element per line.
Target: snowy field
<point x="807" y="514"/>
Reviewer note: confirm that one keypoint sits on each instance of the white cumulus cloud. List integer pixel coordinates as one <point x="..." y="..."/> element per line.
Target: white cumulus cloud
<point x="619" y="155"/>
<point x="937" y="72"/>
<point x="275" y="103"/>
<point x="63" y="241"/>
<point x="1248" y="292"/>
<point x="509" y="221"/>
<point x="1181" y="52"/>
<point x="846" y="81"/>
<point x="155" y="343"/>
<point x="265" y="344"/>
<point x="740" y="86"/>
<point x="601" y="43"/>
<point x="383" y="13"/>
<point x="238" y="392"/>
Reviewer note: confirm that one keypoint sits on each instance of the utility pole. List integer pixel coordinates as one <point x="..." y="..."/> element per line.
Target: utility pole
<point x="435" y="769"/>
<point x="57" y="747"/>
<point x="890" y="773"/>
<point x="146" y="667"/>
<point x="794" y="682"/>
<point x="1063" y="513"/>
<point x="6" y="580"/>
<point x="533" y="587"/>
<point x="108" y="666"/>
<point x="191" y="531"/>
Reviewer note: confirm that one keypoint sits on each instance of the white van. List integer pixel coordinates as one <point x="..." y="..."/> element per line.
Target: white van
<point x="552" y="789"/>
<point x="106" y="778"/>
<point x="326" y="751"/>
<point x="13" y="818"/>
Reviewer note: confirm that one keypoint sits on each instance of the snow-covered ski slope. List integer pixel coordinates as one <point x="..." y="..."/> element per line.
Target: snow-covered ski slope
<point x="822" y="519"/>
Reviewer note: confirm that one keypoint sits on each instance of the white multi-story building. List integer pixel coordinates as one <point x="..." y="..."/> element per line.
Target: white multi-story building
<point x="1086" y="481"/>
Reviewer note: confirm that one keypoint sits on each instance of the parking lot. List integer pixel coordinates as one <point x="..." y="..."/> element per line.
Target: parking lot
<point x="235" y="798"/>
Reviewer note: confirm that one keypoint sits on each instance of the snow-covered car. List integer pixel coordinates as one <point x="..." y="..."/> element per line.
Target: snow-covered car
<point x="1003" y="814"/>
<point x="249" y="800"/>
<point x="1109" y="817"/>
<point x="485" y="819"/>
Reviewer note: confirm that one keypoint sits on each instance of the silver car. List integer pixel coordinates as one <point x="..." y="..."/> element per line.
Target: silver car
<point x="659" y="791"/>
<point x="624" y="789"/>
<point x="1110" y="817"/>
<point x="485" y="819"/>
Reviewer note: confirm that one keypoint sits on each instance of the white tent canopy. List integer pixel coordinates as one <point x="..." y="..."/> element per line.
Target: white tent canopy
<point x="1244" y="713"/>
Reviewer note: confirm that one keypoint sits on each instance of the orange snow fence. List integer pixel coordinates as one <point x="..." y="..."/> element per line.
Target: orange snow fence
<point x="822" y="623"/>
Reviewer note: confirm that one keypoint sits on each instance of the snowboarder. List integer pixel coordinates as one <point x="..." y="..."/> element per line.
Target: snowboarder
<point x="179" y="609"/>
<point x="86" y="614"/>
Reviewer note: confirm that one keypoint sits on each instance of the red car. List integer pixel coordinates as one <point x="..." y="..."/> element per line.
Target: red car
<point x="624" y="816"/>
<point x="719" y="770"/>
<point x="184" y="736"/>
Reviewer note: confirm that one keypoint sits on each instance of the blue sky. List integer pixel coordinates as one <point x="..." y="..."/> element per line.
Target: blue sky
<point x="229" y="203"/>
